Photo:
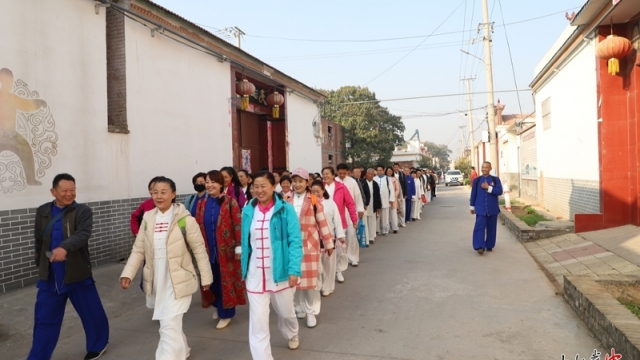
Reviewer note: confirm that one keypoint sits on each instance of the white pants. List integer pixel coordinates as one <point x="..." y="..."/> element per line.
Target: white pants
<point x="370" y="227"/>
<point x="353" y="249"/>
<point x="342" y="258"/>
<point x="417" y="208"/>
<point x="393" y="218"/>
<point x="308" y="301"/>
<point x="329" y="265"/>
<point x="383" y="223"/>
<point x="259" y="336"/>
<point x="173" y="342"/>
<point x="402" y="214"/>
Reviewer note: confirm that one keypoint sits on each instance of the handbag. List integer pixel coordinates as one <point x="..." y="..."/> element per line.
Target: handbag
<point x="361" y="234"/>
<point x="424" y="199"/>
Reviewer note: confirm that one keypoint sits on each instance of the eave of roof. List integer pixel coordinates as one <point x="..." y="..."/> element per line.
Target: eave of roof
<point x="231" y="48"/>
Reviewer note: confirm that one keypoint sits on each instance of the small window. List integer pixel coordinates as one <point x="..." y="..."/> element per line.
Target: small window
<point x="330" y="132"/>
<point x="546" y="114"/>
<point x="330" y="159"/>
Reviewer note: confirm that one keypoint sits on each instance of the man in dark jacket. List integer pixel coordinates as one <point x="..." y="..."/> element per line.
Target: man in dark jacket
<point x="484" y="204"/>
<point x="432" y="184"/>
<point x="63" y="229"/>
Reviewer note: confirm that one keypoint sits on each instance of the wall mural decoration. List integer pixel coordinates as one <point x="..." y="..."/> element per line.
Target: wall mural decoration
<point x="28" y="140"/>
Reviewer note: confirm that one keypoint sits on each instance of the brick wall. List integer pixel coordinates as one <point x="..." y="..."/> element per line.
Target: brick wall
<point x="332" y="143"/>
<point x="111" y="240"/>
<point x="116" y="72"/>
<point x="567" y="197"/>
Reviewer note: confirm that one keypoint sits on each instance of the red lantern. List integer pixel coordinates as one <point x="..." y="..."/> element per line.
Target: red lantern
<point x="244" y="88"/>
<point x="612" y="48"/>
<point x="275" y="100"/>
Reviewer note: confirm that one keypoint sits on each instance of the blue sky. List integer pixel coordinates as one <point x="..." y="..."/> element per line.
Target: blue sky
<point x="434" y="67"/>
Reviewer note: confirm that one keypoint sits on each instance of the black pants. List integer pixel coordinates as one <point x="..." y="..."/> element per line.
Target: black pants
<point x="433" y="191"/>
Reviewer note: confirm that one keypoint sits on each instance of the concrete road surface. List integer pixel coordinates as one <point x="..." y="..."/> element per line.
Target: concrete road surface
<point x="420" y="294"/>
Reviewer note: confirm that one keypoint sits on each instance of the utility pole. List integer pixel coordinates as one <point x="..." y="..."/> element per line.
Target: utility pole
<point x="233" y="31"/>
<point x="462" y="141"/>
<point x="488" y="28"/>
<point x="470" y="117"/>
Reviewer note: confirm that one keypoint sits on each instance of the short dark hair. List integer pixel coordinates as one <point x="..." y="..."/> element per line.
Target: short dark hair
<point x="197" y="176"/>
<point x="379" y="166"/>
<point x="60" y="177"/>
<point x="152" y="181"/>
<point x="394" y="164"/>
<point x="473" y="168"/>
<point x="325" y="194"/>
<point x="285" y="178"/>
<point x="342" y="166"/>
<point x="330" y="168"/>
<point x="267" y="175"/>
<point x="215" y="176"/>
<point x="166" y="180"/>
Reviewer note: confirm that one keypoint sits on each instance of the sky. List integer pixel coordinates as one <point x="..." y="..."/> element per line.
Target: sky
<point x="333" y="43"/>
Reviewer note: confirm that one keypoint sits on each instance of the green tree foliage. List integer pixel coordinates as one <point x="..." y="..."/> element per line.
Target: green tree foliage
<point x="463" y="165"/>
<point x="371" y="132"/>
<point x="441" y="152"/>
<point x="426" y="163"/>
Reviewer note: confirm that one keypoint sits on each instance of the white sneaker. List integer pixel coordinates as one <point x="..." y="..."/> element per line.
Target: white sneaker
<point x="404" y="225"/>
<point x="327" y="293"/>
<point x="301" y="315"/>
<point x="339" y="277"/>
<point x="223" y="323"/>
<point x="215" y="314"/>
<point x="355" y="263"/>
<point x="311" y="321"/>
<point x="294" y="342"/>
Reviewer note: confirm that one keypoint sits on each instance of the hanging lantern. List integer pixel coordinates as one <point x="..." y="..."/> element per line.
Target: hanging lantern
<point x="613" y="48"/>
<point x="275" y="100"/>
<point x="244" y="88"/>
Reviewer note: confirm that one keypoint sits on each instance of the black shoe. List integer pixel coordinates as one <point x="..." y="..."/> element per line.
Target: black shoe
<point x="480" y="251"/>
<point x="395" y="231"/>
<point x="94" y="355"/>
<point x="490" y="249"/>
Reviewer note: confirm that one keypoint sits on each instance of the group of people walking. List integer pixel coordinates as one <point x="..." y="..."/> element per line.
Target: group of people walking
<point x="269" y="239"/>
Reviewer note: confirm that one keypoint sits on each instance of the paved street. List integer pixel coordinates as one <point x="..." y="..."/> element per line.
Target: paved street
<point x="421" y="294"/>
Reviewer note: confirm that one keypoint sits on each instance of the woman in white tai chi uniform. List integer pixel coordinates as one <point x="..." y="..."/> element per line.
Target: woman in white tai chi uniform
<point x="169" y="277"/>
<point x="271" y="261"/>
<point x="328" y="276"/>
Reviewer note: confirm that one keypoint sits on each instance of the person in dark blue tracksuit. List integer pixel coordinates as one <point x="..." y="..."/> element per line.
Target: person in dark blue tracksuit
<point x="63" y="228"/>
<point x="485" y="191"/>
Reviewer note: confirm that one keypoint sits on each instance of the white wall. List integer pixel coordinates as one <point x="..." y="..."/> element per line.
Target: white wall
<point x="178" y="110"/>
<point x="304" y="149"/>
<point x="58" y="48"/>
<point x="569" y="148"/>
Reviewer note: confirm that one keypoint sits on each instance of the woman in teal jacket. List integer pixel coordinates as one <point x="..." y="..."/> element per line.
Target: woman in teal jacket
<point x="271" y="258"/>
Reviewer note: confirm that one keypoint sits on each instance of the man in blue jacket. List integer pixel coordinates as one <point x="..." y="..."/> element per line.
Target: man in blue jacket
<point x="485" y="191"/>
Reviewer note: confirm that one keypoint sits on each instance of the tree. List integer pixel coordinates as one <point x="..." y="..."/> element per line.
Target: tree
<point x="425" y="163"/>
<point x="441" y="152"/>
<point x="463" y="165"/>
<point x="371" y="132"/>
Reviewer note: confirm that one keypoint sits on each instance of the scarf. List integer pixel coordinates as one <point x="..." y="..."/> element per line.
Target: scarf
<point x="265" y="209"/>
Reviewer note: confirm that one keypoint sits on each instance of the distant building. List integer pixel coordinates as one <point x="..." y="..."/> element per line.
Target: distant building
<point x="332" y="143"/>
<point x="410" y="153"/>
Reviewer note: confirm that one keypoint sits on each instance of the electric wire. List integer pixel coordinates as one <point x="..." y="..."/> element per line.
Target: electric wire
<point x="427" y="97"/>
<point x="421" y="42"/>
<point x="403" y="37"/>
<point x="513" y="70"/>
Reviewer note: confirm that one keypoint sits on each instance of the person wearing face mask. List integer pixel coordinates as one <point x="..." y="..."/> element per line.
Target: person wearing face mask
<point x="314" y="228"/>
<point x="169" y="274"/>
<point x="233" y="186"/>
<point x="219" y="218"/>
<point x="191" y="203"/>
<point x="271" y="260"/>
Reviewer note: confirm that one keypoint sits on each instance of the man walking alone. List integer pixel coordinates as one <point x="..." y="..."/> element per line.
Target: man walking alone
<point x="485" y="191"/>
